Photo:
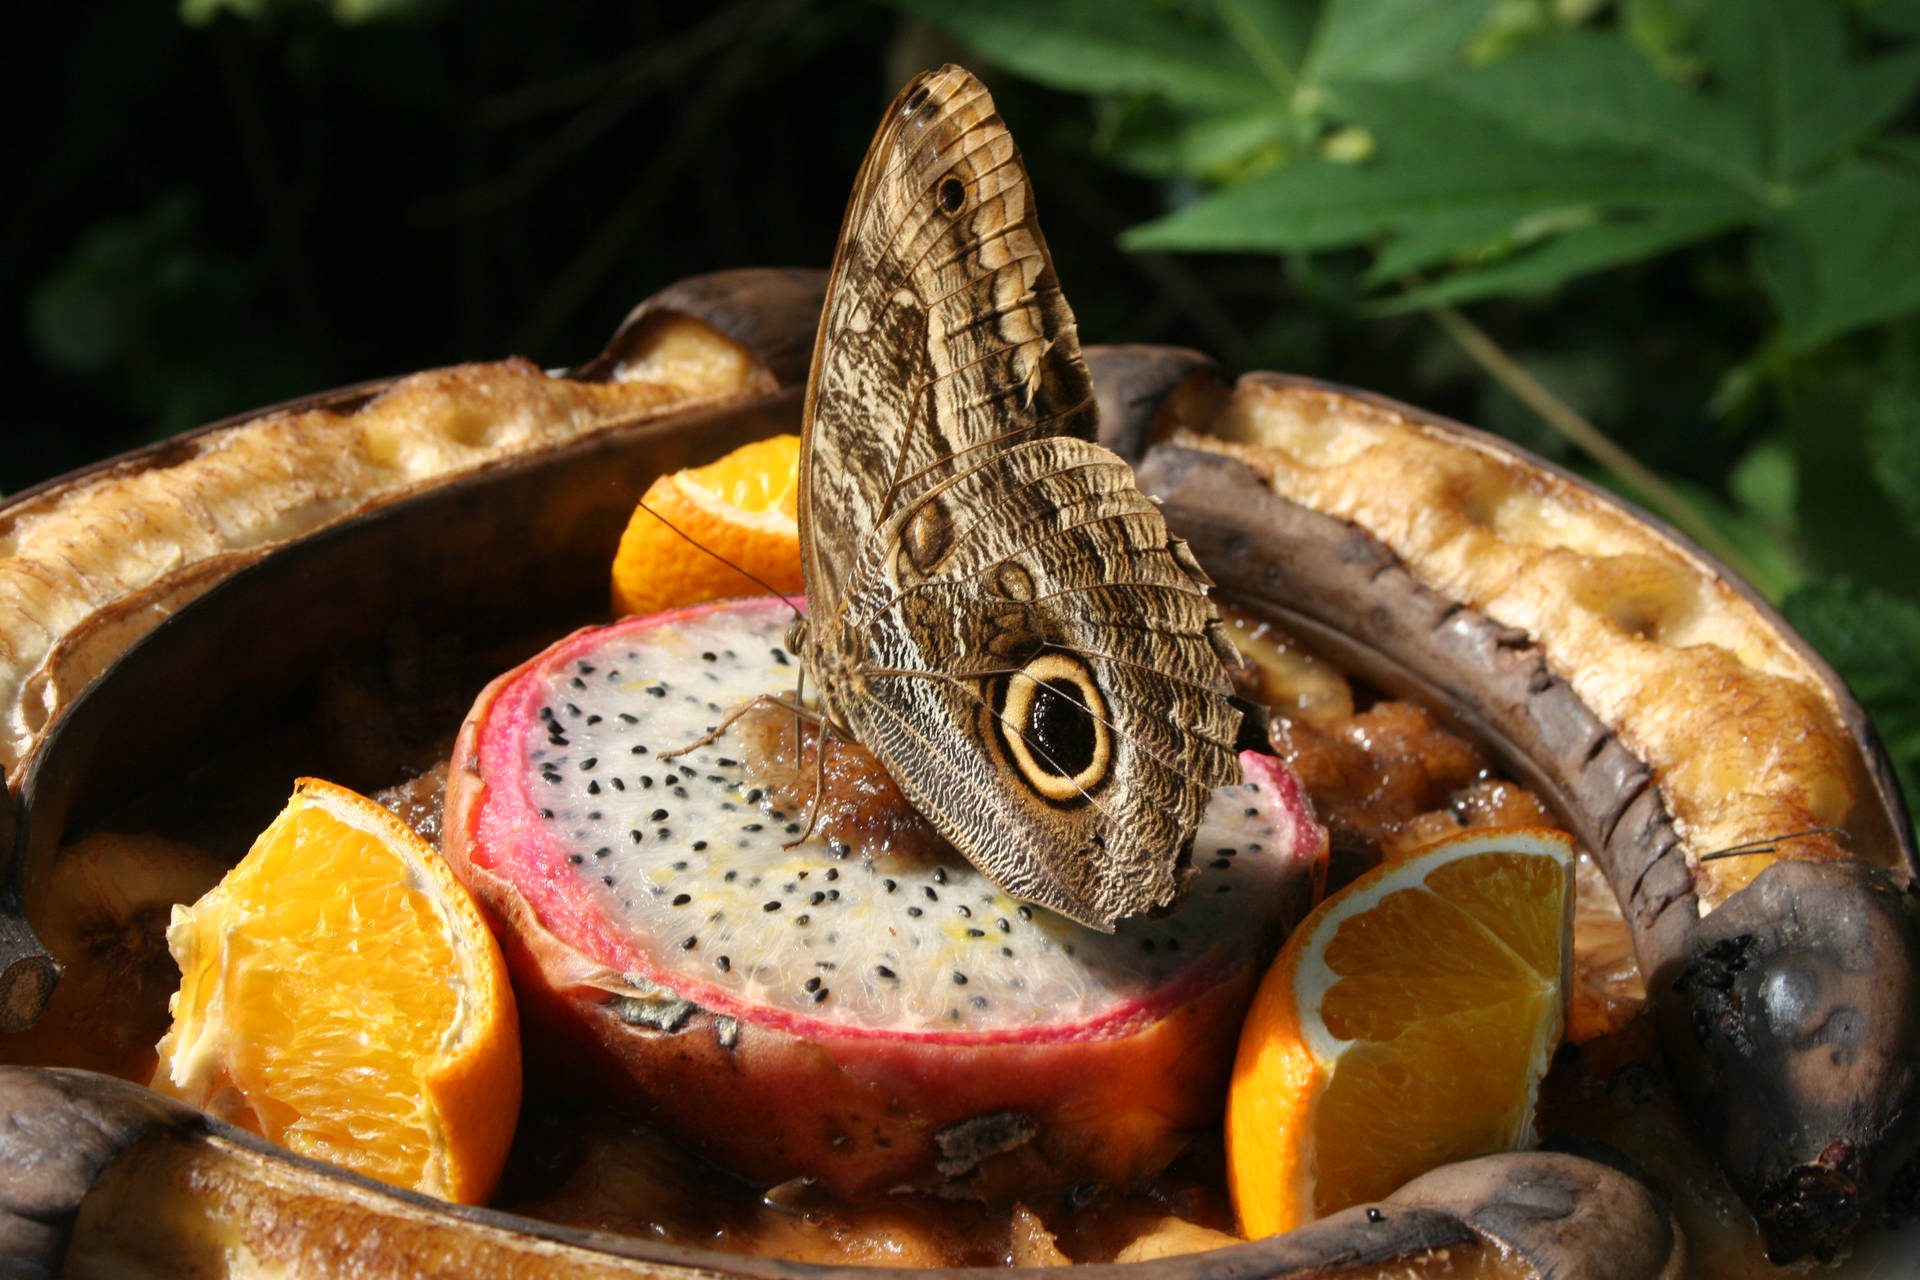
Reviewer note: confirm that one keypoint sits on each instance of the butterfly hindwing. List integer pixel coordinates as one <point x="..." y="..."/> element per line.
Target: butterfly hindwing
<point x="1085" y="682"/>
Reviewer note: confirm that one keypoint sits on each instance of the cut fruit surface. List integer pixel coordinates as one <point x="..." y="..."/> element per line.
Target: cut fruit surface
<point x="866" y="1010"/>
<point x="739" y="511"/>
<point x="341" y="995"/>
<point x="1406" y="1024"/>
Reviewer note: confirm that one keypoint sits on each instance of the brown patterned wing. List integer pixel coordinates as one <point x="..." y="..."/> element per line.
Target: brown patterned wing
<point x="1034" y="657"/>
<point x="995" y="610"/>
<point x="944" y="330"/>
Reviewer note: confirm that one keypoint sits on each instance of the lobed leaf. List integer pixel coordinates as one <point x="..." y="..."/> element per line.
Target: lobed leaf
<point x="1438" y="158"/>
<point x="1473" y="235"/>
<point x="1089" y="46"/>
<point x="1846" y="254"/>
<point x="1272" y="36"/>
<point x="1785" y="67"/>
<point x="1152" y="138"/>
<point x="1594" y="90"/>
<point x="1390" y="39"/>
<point x="1608" y="243"/>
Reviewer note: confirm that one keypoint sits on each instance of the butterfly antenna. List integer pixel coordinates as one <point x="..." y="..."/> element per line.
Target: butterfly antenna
<point x="700" y="546"/>
<point x="1767" y="844"/>
<point x="821" y="741"/>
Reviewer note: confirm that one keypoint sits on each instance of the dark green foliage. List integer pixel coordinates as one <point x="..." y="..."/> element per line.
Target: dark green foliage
<point x="1873" y="638"/>
<point x="1563" y="166"/>
<point x="1696" y="222"/>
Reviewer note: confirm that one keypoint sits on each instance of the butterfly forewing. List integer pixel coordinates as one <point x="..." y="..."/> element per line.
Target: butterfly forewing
<point x="996" y="611"/>
<point x="944" y="328"/>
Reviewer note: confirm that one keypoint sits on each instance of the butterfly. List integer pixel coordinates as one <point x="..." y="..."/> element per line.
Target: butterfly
<point x="995" y="610"/>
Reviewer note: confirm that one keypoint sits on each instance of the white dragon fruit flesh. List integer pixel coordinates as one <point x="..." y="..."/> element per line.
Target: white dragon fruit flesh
<point x="861" y="1009"/>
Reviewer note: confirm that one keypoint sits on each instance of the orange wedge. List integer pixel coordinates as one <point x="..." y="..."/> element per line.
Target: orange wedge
<point x="1406" y="1024"/>
<point x="739" y="511"/>
<point x="341" y="995"/>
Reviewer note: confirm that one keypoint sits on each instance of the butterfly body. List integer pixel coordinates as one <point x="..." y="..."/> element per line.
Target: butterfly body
<point x="996" y="611"/>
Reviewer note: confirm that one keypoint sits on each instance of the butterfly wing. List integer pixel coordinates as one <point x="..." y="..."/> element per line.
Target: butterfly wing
<point x="944" y="329"/>
<point x="996" y="611"/>
<point x="1066" y="735"/>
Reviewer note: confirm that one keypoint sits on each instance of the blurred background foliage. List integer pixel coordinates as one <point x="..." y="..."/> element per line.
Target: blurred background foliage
<point x="1674" y="244"/>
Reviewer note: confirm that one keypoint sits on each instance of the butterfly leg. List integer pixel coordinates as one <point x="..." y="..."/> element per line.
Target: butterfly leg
<point x="720" y="730"/>
<point x="826" y="735"/>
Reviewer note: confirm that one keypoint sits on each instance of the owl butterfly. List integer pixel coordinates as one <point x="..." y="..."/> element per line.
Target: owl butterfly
<point x="996" y="611"/>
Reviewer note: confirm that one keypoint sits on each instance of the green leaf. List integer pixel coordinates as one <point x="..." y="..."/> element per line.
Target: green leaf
<point x="1272" y="34"/>
<point x="1893" y="446"/>
<point x="1089" y="46"/>
<point x="1785" y="65"/>
<point x="1147" y="136"/>
<point x="1668" y="32"/>
<point x="1390" y="39"/>
<point x="1765" y="481"/>
<point x="86" y="316"/>
<point x="1592" y="89"/>
<point x="1858" y="102"/>
<point x="1449" y="239"/>
<point x="1581" y="251"/>
<point x="1901" y="148"/>
<point x="1438" y="159"/>
<point x="1872" y="638"/>
<point x="1848" y="524"/>
<point x="1901" y="17"/>
<point x="1846" y="254"/>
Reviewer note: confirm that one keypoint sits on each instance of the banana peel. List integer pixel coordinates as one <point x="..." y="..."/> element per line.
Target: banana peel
<point x="108" y="1179"/>
<point x="1724" y="777"/>
<point x="1782" y="975"/>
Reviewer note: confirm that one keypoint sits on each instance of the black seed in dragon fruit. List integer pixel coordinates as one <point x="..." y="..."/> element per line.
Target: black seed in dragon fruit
<point x="819" y="987"/>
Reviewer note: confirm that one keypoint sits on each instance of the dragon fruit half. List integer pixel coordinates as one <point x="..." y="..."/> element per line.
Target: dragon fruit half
<point x="860" y="1007"/>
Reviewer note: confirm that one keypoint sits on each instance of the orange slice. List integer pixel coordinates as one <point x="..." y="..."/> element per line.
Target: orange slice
<point x="340" y="994"/>
<point x="740" y="511"/>
<point x="1406" y="1024"/>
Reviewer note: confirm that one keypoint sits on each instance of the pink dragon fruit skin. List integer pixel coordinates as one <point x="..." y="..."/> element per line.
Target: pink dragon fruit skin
<point x="818" y="1011"/>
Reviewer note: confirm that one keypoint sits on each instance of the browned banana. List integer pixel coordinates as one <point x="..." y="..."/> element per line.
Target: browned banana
<point x="521" y="545"/>
<point x="101" y="1178"/>
<point x="1681" y="728"/>
<point x="93" y="561"/>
